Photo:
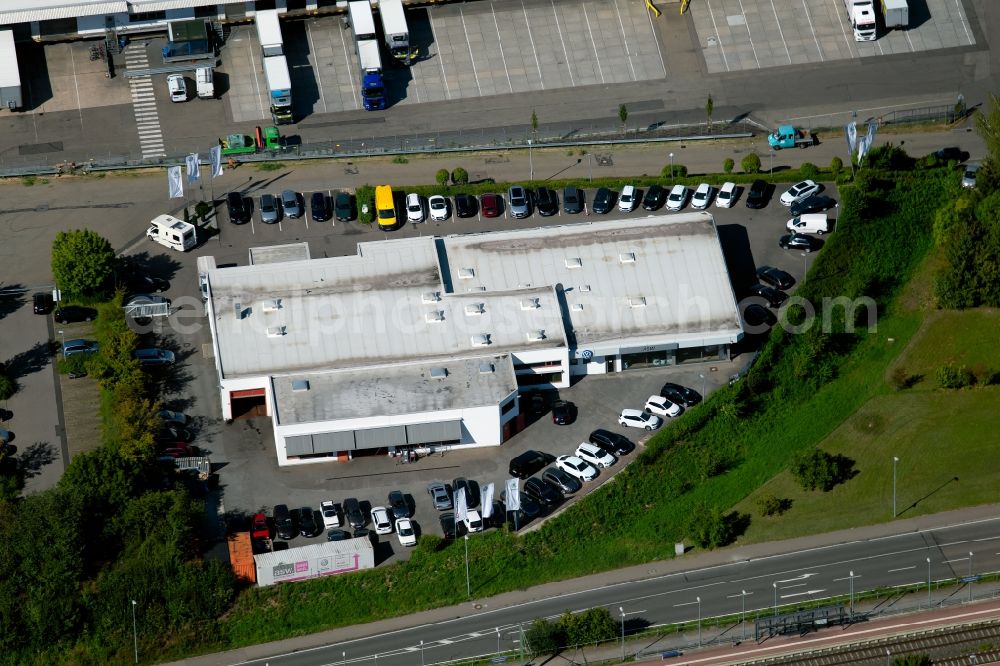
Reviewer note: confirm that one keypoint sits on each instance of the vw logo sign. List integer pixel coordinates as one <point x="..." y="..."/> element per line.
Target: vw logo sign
<point x="586" y="354"/>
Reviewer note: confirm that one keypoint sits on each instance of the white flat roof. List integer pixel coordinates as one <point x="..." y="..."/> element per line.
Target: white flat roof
<point x="276" y="254"/>
<point x="628" y="281"/>
<point x="25" y="11"/>
<point x="383" y="306"/>
<point x="399" y="390"/>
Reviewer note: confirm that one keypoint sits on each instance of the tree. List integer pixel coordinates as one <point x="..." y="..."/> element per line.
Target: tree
<point x="836" y="166"/>
<point x="8" y="386"/>
<point x="534" y="121"/>
<point x="707" y="527"/>
<point x="459" y="176"/>
<point x="912" y="660"/>
<point x="623" y="116"/>
<point x="82" y="262"/>
<point x="590" y="626"/>
<point x="750" y="163"/>
<point x="815" y="469"/>
<point x="543" y="637"/>
<point x="808" y="170"/>
<point x="988" y="126"/>
<point x="728" y="165"/>
<point x="442" y="177"/>
<point x="709" y="108"/>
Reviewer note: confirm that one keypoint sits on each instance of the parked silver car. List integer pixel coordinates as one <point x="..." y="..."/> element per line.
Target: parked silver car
<point x="519" y="201"/>
<point x="269" y="211"/>
<point x="291" y="203"/>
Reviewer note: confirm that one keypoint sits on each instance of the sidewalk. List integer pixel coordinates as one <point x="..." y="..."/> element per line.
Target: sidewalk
<point x="641" y="572"/>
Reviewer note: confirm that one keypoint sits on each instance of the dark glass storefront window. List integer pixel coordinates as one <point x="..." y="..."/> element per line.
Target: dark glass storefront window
<point x="654" y="359"/>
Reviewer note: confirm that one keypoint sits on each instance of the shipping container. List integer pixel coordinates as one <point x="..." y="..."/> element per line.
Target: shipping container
<point x="323" y="559"/>
<point x="10" y="76"/>
<point x="241" y="557"/>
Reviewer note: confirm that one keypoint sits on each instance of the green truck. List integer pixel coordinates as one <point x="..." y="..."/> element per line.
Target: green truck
<point x="267" y="138"/>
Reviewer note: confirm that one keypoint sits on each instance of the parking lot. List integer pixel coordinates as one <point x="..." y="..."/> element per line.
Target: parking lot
<point x="752" y="34"/>
<point x="244" y="451"/>
<point x="466" y="50"/>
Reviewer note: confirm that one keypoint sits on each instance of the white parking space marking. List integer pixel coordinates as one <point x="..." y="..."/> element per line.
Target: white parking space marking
<point x="496" y="24"/>
<point x="628" y="54"/>
<point x="964" y="22"/>
<point x="534" y="50"/>
<point x="569" y="66"/>
<point x="746" y="23"/>
<point x="316" y="68"/>
<point x="251" y="50"/>
<point x="472" y="56"/>
<point x="347" y="58"/>
<point x="805" y="9"/>
<point x="440" y="59"/>
<point x="777" y="23"/>
<point x="718" y="39"/>
<point x="652" y="30"/>
<point x="847" y="38"/>
<point x="597" y="56"/>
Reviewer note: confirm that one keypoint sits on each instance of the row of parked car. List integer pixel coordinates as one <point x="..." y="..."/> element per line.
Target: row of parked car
<point x="290" y="204"/>
<point x="342" y="521"/>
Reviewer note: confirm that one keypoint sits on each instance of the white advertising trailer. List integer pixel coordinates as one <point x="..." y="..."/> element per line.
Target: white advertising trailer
<point x="322" y="559"/>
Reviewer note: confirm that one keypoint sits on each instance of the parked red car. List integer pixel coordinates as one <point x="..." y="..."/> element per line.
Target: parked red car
<point x="491" y="205"/>
<point x="260" y="530"/>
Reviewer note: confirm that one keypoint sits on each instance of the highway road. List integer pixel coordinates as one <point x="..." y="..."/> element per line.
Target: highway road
<point x="814" y="574"/>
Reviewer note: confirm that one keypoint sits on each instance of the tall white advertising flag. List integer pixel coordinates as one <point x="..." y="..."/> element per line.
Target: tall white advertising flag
<point x="852" y="136"/>
<point x="488" y="501"/>
<point x="175" y="182"/>
<point x="461" y="508"/>
<point x="215" y="159"/>
<point x="513" y="500"/>
<point x="871" y="136"/>
<point x="193" y="171"/>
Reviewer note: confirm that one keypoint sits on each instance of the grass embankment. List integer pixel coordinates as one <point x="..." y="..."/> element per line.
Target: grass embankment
<point x="802" y="389"/>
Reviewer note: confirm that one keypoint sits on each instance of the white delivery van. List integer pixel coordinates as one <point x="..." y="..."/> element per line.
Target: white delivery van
<point x="173" y="233"/>
<point x="204" y="78"/>
<point x="809" y="223"/>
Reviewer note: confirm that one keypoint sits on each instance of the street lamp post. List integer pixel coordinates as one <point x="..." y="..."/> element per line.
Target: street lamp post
<point x="468" y="587"/>
<point x="498" y="641"/>
<point x="698" y="599"/>
<point x="928" y="582"/>
<point x="622" y="611"/>
<point x="343" y="657"/>
<point x="775" y="585"/>
<point x="851" y="576"/>
<point x="421" y="652"/>
<point x="743" y="613"/>
<point x="135" y="634"/>
<point x="805" y="265"/>
<point x="63" y="337"/>
<point x="531" y="164"/>
<point x="702" y="375"/>
<point x="970" y="575"/>
<point x="895" y="459"/>
<point x="671" y="165"/>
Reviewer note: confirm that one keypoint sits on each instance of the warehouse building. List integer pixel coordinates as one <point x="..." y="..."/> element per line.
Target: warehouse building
<point x="425" y="342"/>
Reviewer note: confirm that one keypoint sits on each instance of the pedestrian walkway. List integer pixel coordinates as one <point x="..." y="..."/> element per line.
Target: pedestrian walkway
<point x="147" y="119"/>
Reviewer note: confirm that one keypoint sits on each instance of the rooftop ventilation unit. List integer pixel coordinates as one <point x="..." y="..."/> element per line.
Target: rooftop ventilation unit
<point x="481" y="340"/>
<point x="275" y="331"/>
<point x="238" y="310"/>
<point x="535" y="336"/>
<point x="434" y="316"/>
<point x="474" y="309"/>
<point x="574" y="262"/>
<point x="585" y="288"/>
<point x="431" y="296"/>
<point x="486" y="368"/>
<point x="299" y="385"/>
<point x="576" y="307"/>
<point x="529" y="304"/>
<point x="637" y="301"/>
<point x="439" y="373"/>
<point x="272" y="305"/>
<point x="466" y="273"/>
<point x="479" y="288"/>
<point x="627" y="257"/>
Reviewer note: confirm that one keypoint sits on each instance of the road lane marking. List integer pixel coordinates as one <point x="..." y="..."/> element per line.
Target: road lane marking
<point x="957" y="559"/>
<point x="792" y="580"/>
<point x="800" y="594"/>
<point x="962" y="21"/>
<point x="788" y="587"/>
<point x="902" y="569"/>
<point x="687" y="603"/>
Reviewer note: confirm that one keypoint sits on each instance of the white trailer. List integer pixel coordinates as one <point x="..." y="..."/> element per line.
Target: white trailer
<point x="170" y="232"/>
<point x="397" y="34"/>
<point x="896" y="13"/>
<point x="322" y="559"/>
<point x="10" y="76"/>
<point x="269" y="32"/>
<point x="362" y="21"/>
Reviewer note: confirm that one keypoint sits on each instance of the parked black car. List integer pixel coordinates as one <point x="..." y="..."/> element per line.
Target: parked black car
<point x="42" y="302"/>
<point x="796" y="242"/>
<point x="74" y="313"/>
<point x="353" y="513"/>
<point x="682" y="395"/>
<point x="337" y="535"/>
<point x="140" y="283"/>
<point x="466" y="205"/>
<point x="448" y="525"/>
<point x="563" y="412"/>
<point x="612" y="442"/>
<point x="757" y="194"/>
<point x="239" y="211"/>
<point x="775" y="277"/>
<point x="773" y="297"/>
<point x="365" y="533"/>
<point x="319" y="207"/>
<point x="343" y="207"/>
<point x="398" y="506"/>
<point x="528" y="463"/>
<point x="572" y="200"/>
<point x="471" y="491"/>
<point x="546" y="202"/>
<point x="655" y="196"/>
<point x="308" y="527"/>
<point x="284" y="526"/>
<point x="817" y="203"/>
<point x="951" y="153"/>
<point x="561" y="480"/>
<point x="602" y="201"/>
<point x="529" y="509"/>
<point x="542" y="492"/>
<point x="757" y="315"/>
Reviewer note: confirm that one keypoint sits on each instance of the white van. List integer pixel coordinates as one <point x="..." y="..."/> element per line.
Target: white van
<point x="171" y="232"/>
<point x="177" y="88"/>
<point x="809" y="223"/>
<point x="204" y="78"/>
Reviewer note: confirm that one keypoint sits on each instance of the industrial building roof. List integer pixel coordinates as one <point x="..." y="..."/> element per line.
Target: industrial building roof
<point x="276" y="254"/>
<point x="25" y="11"/>
<point x="383" y="306"/>
<point x="404" y="389"/>
<point x="661" y="277"/>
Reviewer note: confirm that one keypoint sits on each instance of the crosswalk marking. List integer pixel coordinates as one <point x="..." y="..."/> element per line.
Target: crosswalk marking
<point x="147" y="119"/>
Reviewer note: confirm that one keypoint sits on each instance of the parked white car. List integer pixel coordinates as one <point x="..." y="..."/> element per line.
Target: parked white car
<point x="662" y="406"/>
<point x="726" y="196"/>
<point x="799" y="191"/>
<point x="331" y="516"/>
<point x="473" y="522"/>
<point x="576" y="468"/>
<point x="380" y="519"/>
<point x="627" y="200"/>
<point x="677" y="198"/>
<point x="177" y="87"/>
<point x="405" y="532"/>
<point x="594" y="455"/>
<point x="702" y="196"/>
<point x="636" y="418"/>
<point x="439" y="208"/>
<point x="414" y="208"/>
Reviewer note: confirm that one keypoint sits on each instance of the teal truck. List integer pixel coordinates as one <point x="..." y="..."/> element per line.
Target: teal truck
<point x="787" y="136"/>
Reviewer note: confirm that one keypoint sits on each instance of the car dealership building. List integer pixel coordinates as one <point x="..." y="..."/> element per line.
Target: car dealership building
<point x="425" y="342"/>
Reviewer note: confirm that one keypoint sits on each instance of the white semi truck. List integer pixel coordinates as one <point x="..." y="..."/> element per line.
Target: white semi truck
<point x="861" y="14"/>
<point x="397" y="34"/>
<point x="269" y="33"/>
<point x="10" y="76"/>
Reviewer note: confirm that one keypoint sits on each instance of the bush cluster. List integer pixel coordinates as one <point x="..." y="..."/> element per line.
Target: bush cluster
<point x="951" y="376"/>
<point x="364" y="197"/>
<point x="593" y="625"/>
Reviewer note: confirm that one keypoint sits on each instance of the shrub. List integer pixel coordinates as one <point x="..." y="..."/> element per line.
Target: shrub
<point x="460" y="176"/>
<point x="365" y="199"/>
<point x="8" y="386"/>
<point x="836" y="166"/>
<point x="544" y="637"/>
<point x="951" y="377"/>
<point x="590" y="626"/>
<point x="750" y="163"/>
<point x="441" y="177"/>
<point x="818" y="469"/>
<point x="399" y="159"/>
<point x="808" y="170"/>
<point x="728" y="165"/>
<point x="679" y="171"/>
<point x="912" y="660"/>
<point x="772" y="505"/>
<point x="708" y="528"/>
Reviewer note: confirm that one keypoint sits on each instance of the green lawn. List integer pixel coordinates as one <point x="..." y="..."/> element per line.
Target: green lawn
<point x="938" y="436"/>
